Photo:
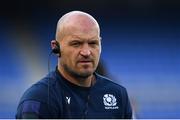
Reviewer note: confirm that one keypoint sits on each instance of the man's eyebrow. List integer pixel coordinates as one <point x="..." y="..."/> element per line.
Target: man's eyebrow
<point x="75" y="40"/>
<point x="93" y="40"/>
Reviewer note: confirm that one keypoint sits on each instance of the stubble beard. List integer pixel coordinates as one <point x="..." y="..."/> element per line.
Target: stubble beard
<point x="77" y="74"/>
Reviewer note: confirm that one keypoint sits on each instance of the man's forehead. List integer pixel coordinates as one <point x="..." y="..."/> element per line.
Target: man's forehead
<point x="77" y="23"/>
<point x="79" y="16"/>
<point x="81" y="38"/>
<point x="87" y="38"/>
<point x="80" y="22"/>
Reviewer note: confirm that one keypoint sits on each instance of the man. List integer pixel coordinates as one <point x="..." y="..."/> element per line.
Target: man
<point x="74" y="90"/>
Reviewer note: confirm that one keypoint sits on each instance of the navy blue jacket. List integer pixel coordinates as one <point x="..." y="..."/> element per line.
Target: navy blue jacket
<point x="55" y="97"/>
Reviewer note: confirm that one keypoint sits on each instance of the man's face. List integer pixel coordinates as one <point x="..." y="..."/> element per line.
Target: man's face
<point x="80" y="52"/>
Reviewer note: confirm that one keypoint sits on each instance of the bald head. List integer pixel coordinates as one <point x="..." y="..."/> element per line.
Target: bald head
<point x="74" y="21"/>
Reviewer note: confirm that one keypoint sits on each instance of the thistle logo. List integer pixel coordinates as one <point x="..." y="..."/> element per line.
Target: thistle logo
<point x="110" y="101"/>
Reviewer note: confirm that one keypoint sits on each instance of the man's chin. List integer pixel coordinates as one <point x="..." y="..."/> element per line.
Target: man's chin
<point x="85" y="73"/>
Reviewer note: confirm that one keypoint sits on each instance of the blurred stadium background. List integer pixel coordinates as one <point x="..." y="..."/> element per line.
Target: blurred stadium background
<point x="140" y="49"/>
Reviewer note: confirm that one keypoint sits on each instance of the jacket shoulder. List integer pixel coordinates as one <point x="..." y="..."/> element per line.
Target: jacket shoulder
<point x="40" y="90"/>
<point x="109" y="82"/>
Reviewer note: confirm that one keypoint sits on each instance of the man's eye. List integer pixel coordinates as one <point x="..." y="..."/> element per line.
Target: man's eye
<point x="76" y="44"/>
<point x="92" y="43"/>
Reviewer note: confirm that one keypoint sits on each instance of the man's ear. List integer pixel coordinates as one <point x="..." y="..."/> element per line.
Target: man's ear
<point x="53" y="44"/>
<point x="55" y="47"/>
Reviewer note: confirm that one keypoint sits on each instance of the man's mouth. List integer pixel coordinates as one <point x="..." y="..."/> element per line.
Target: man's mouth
<point x="85" y="61"/>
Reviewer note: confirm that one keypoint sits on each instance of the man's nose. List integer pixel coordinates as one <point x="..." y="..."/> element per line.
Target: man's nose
<point x="85" y="52"/>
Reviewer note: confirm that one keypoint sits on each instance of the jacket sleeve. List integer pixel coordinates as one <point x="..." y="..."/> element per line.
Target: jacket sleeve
<point x="31" y="109"/>
<point x="34" y="103"/>
<point x="128" y="108"/>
